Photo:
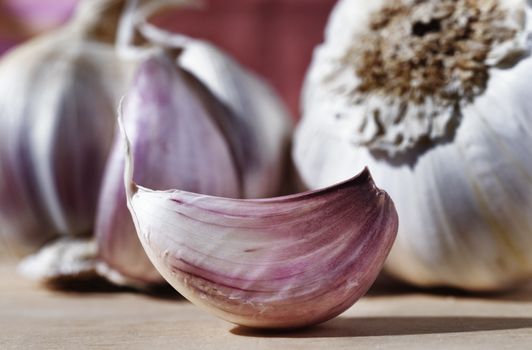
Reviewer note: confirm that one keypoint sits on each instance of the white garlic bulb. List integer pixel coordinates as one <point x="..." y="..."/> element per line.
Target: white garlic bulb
<point x="58" y="97"/>
<point x="435" y="97"/>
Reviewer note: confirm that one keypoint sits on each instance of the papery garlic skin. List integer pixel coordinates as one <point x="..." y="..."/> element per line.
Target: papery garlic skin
<point x="200" y="124"/>
<point x="59" y="93"/>
<point x="255" y="106"/>
<point x="460" y="178"/>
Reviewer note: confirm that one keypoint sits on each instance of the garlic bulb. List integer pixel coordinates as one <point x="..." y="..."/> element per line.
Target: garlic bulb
<point x="270" y="263"/>
<point x="435" y="98"/>
<point x="58" y="96"/>
<point x="11" y="32"/>
<point x="200" y="123"/>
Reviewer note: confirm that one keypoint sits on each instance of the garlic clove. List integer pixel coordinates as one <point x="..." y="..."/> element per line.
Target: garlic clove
<point x="47" y="187"/>
<point x="174" y="122"/>
<point x="255" y="105"/>
<point x="272" y="263"/>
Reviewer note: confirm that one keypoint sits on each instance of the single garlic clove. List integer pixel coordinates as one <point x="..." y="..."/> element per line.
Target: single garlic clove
<point x="176" y="125"/>
<point x="278" y="263"/>
<point x="271" y="263"/>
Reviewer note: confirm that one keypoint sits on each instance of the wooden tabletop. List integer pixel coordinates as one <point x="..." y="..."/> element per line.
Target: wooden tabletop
<point x="33" y="317"/>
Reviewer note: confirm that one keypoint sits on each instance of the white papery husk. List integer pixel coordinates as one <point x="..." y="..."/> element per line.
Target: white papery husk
<point x="464" y="204"/>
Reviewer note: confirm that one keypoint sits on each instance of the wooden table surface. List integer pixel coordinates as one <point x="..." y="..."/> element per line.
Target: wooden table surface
<point x="33" y="317"/>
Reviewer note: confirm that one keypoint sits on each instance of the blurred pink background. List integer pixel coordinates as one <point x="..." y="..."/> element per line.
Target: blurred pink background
<point x="21" y="19"/>
<point x="275" y="38"/>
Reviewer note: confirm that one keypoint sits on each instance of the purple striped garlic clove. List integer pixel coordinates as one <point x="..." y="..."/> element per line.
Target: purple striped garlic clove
<point x="270" y="263"/>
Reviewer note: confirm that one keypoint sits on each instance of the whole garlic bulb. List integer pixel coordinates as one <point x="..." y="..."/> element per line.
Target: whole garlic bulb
<point x="58" y="97"/>
<point x="435" y="97"/>
<point x="200" y="123"/>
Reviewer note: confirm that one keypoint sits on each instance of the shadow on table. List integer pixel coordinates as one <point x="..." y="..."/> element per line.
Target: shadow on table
<point x="98" y="285"/>
<point x="388" y="286"/>
<point x="392" y="326"/>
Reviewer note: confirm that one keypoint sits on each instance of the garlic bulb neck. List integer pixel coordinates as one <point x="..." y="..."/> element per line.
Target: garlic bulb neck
<point x="418" y="63"/>
<point x="99" y="19"/>
<point x="137" y="37"/>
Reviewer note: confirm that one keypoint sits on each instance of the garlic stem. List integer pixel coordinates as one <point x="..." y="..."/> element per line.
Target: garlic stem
<point x="135" y="21"/>
<point x="98" y="19"/>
